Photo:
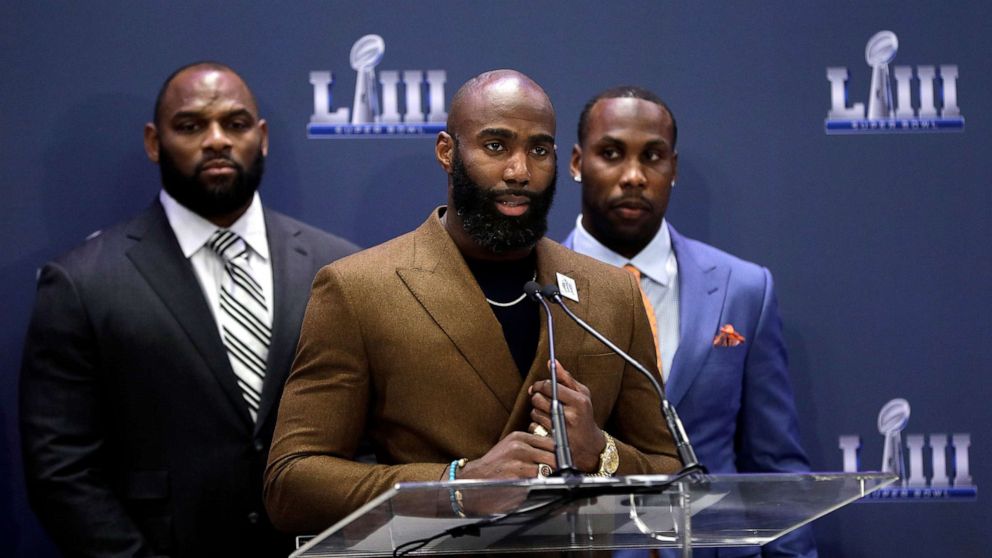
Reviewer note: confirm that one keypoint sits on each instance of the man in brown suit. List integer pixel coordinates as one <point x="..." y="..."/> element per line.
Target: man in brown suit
<point x="426" y="346"/>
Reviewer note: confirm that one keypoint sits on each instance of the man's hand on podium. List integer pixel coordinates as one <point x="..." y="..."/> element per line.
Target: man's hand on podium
<point x="517" y="456"/>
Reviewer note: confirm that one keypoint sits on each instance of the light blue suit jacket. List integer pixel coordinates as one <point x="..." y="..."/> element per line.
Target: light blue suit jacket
<point x="736" y="402"/>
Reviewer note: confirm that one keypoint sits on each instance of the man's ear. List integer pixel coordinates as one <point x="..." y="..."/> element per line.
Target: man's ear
<point x="444" y="150"/>
<point x="575" y="164"/>
<point x="151" y="142"/>
<point x="675" y="168"/>
<point x="263" y="127"/>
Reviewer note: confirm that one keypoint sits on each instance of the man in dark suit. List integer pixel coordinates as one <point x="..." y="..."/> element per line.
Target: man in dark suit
<point x="158" y="349"/>
<point x="718" y="326"/>
<point x="427" y="346"/>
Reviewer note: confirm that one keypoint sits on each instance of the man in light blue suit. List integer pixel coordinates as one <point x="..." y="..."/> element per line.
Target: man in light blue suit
<point x="718" y="327"/>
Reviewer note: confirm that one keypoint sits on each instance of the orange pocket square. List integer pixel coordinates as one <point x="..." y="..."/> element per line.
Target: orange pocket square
<point x="727" y="337"/>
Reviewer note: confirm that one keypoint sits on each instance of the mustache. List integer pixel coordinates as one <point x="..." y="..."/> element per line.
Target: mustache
<point x="633" y="200"/>
<point x="231" y="162"/>
<point x="532" y="196"/>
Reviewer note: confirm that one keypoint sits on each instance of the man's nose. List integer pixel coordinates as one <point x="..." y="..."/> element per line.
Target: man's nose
<point x="216" y="138"/>
<point x="517" y="171"/>
<point x="633" y="175"/>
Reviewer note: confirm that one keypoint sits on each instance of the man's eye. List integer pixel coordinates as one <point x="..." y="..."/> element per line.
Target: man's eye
<point x="187" y="127"/>
<point x="540" y="150"/>
<point x="494" y="146"/>
<point x="611" y="154"/>
<point x="239" y="125"/>
<point x="653" y="156"/>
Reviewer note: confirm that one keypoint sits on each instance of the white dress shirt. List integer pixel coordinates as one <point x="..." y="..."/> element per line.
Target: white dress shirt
<point x="192" y="231"/>
<point x="659" y="281"/>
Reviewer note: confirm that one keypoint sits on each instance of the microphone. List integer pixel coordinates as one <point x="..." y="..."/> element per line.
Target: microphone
<point x="563" y="454"/>
<point x="682" y="444"/>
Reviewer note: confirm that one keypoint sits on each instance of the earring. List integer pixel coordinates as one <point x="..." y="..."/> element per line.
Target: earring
<point x="577" y="178"/>
<point x="672" y="185"/>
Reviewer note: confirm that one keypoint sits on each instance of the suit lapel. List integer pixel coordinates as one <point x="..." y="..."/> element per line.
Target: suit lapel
<point x="158" y="258"/>
<point x="444" y="286"/>
<point x="291" y="282"/>
<point x="702" y="290"/>
<point x="442" y="283"/>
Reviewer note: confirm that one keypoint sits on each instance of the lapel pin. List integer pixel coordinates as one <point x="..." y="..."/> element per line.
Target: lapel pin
<point x="566" y="286"/>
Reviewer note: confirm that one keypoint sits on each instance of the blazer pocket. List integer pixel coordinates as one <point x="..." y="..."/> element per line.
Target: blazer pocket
<point x="727" y="356"/>
<point x="598" y="363"/>
<point x="146" y="485"/>
<point x="147" y="494"/>
<point x="158" y="532"/>
<point x="603" y="375"/>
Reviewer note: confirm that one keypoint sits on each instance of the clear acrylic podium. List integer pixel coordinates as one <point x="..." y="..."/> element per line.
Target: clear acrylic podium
<point x="552" y="514"/>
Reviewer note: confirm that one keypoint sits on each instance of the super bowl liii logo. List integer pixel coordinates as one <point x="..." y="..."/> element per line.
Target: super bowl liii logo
<point x="376" y="108"/>
<point x="884" y="115"/>
<point x="949" y="474"/>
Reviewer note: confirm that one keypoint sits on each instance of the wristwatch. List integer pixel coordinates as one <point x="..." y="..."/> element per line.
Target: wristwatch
<point x="609" y="460"/>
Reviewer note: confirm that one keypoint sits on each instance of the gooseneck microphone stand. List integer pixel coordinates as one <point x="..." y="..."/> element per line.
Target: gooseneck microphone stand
<point x="688" y="456"/>
<point x="563" y="454"/>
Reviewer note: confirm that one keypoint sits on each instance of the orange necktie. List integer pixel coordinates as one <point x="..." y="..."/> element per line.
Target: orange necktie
<point x="647" y="306"/>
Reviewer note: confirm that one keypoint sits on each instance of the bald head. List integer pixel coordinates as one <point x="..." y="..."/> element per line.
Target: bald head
<point x="507" y="91"/>
<point x="201" y="66"/>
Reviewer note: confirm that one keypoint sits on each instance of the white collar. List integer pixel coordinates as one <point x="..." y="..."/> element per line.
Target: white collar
<point x="192" y="231"/>
<point x="652" y="261"/>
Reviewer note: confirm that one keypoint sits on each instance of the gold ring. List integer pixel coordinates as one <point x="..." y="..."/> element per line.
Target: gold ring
<point x="540" y="431"/>
<point x="544" y="470"/>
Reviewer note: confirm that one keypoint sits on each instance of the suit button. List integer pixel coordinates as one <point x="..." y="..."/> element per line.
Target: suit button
<point x="253" y="518"/>
<point x="259" y="446"/>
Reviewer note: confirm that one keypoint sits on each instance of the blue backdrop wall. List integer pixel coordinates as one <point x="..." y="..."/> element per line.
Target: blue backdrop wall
<point x="879" y="242"/>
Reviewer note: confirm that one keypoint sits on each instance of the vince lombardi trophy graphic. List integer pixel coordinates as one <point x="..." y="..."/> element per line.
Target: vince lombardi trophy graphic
<point x="879" y="51"/>
<point x="366" y="54"/>
<point x="892" y="419"/>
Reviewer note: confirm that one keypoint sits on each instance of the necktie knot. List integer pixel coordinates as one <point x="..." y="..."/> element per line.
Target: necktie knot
<point x="633" y="271"/>
<point x="227" y="244"/>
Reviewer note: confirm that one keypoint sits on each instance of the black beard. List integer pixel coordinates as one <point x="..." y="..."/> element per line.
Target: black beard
<point x="489" y="228"/>
<point x="206" y="199"/>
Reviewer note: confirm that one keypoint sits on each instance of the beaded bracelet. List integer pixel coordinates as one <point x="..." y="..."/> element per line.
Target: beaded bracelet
<point x="456" y="495"/>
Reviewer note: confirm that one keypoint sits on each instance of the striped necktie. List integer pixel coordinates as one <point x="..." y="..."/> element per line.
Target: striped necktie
<point x="244" y="317"/>
<point x="652" y="319"/>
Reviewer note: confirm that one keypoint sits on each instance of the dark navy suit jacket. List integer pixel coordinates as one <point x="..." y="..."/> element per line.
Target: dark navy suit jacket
<point x="736" y="402"/>
<point x="136" y="439"/>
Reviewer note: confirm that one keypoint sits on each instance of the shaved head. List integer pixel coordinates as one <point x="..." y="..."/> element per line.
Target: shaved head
<point x="201" y="65"/>
<point x="495" y="89"/>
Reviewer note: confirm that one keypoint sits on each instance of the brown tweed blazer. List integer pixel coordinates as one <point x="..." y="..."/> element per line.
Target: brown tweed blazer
<point x="400" y="348"/>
